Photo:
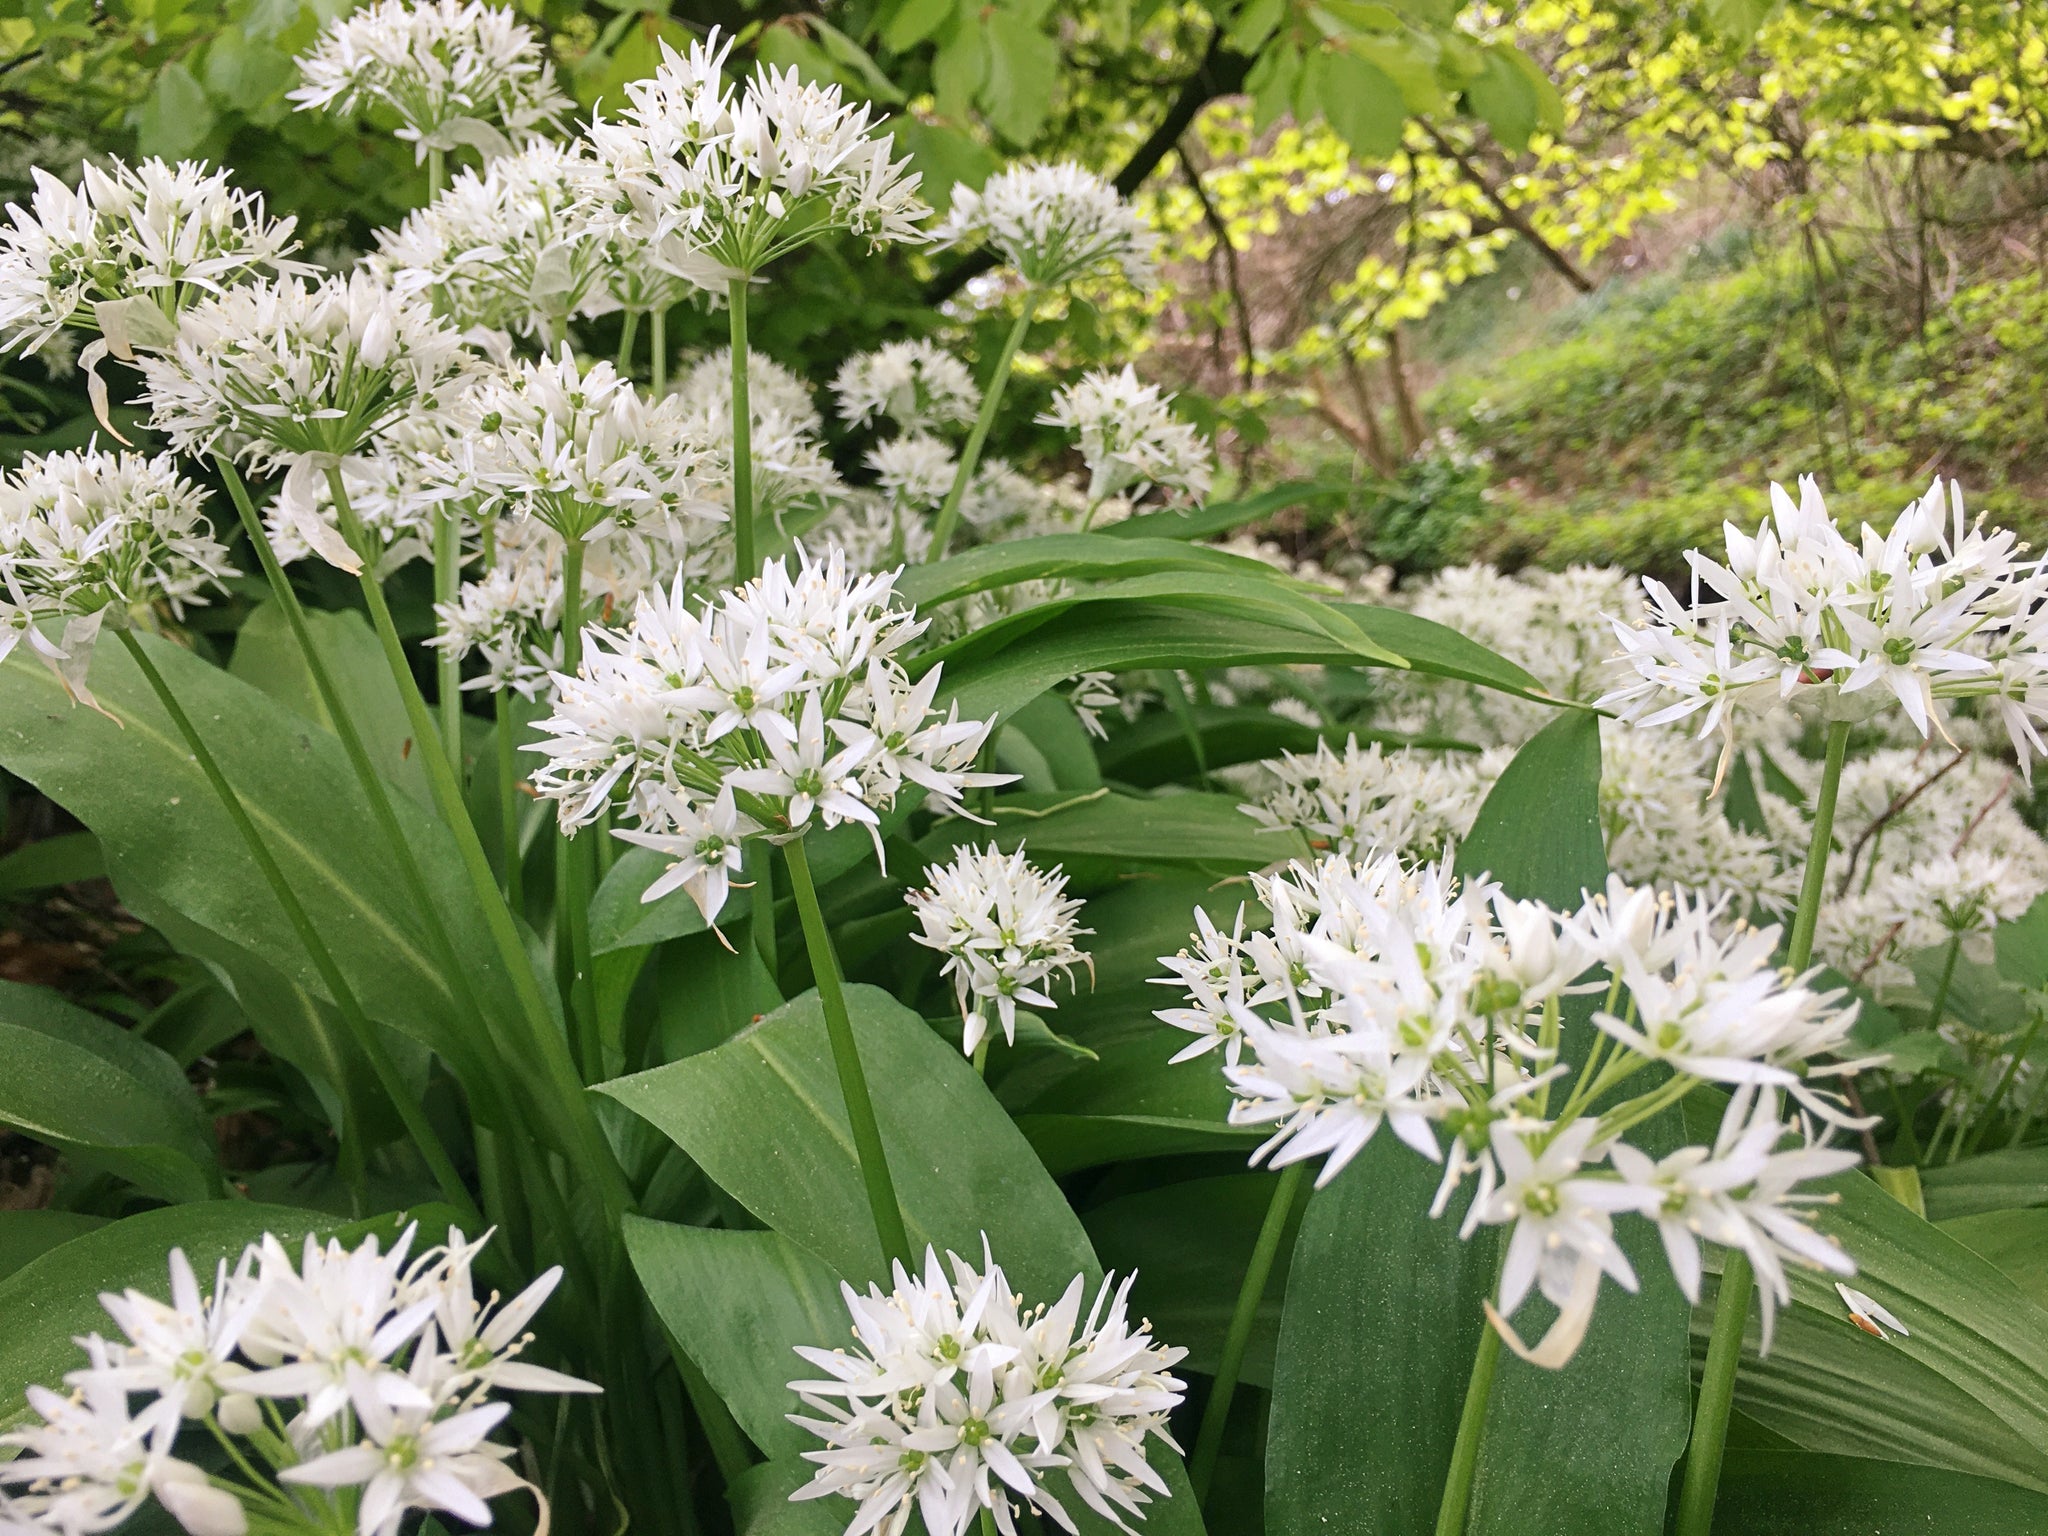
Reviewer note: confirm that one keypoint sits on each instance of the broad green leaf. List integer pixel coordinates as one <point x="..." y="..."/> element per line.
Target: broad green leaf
<point x="1360" y="101"/>
<point x="1189" y="1244"/>
<point x="1739" y="20"/>
<point x="130" y="779"/>
<point x="2022" y="946"/>
<point x="1506" y="98"/>
<point x="739" y="1303"/>
<point x="1023" y="66"/>
<point x="912" y="21"/>
<point x="1538" y="832"/>
<point x="761" y="1504"/>
<point x="1068" y="751"/>
<point x="1967" y="1391"/>
<point x="620" y="920"/>
<point x="1796" y="1493"/>
<point x="1218" y="517"/>
<point x="268" y="657"/>
<point x="176" y="117"/>
<point x="1123" y="634"/>
<point x="1993" y="1181"/>
<point x="1207" y="831"/>
<point x="1381" y="1319"/>
<point x="1072" y="557"/>
<point x="52" y="861"/>
<point x="103" y="1094"/>
<point x="1155" y="749"/>
<point x="707" y="993"/>
<point x="2015" y="1242"/>
<point x="55" y="1298"/>
<point x="763" y="1116"/>
<point x="28" y="1235"/>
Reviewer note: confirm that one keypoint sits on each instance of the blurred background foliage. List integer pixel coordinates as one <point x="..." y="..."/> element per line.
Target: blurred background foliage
<point x="1543" y="283"/>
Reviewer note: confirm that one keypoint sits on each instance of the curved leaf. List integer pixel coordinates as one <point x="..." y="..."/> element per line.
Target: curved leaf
<point x="1073" y="557"/>
<point x="1217" y="517"/>
<point x="130" y="779"/>
<point x="763" y="1116"/>
<point x="103" y="1094"/>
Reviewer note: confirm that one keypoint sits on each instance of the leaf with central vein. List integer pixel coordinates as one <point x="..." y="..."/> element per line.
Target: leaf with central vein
<point x="133" y="782"/>
<point x="1073" y="557"/>
<point x="763" y="1116"/>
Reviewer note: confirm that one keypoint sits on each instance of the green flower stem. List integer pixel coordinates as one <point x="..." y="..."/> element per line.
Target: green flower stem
<point x="1209" y="1438"/>
<point x="448" y="668"/>
<point x="1457" y="1500"/>
<point x="437" y="172"/>
<point x="367" y="1037"/>
<point x="508" y="802"/>
<point x="629" y="332"/>
<point x="853" y="1083"/>
<point x="1731" y="1302"/>
<point x="657" y="352"/>
<point x="572" y="855"/>
<point x="1939" y="1005"/>
<point x="593" y="1152"/>
<point x="745" y="568"/>
<point x="477" y="1049"/>
<point x="970" y="456"/>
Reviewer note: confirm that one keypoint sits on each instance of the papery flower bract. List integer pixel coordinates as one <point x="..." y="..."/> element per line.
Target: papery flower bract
<point x="1004" y="925"/>
<point x="1128" y="436"/>
<point x="453" y="73"/>
<point x="918" y="385"/>
<point x="957" y="1400"/>
<point x="1055" y="224"/>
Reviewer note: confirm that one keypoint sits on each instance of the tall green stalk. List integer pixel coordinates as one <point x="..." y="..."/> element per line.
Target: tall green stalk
<point x="657" y="351"/>
<point x="448" y="666"/>
<point x="592" y="1152"/>
<point x="1265" y="1251"/>
<point x="1457" y="1500"/>
<point x="853" y="1082"/>
<point x="745" y="567"/>
<point x="572" y="854"/>
<point x="629" y="331"/>
<point x="508" y="801"/>
<point x="1731" y="1303"/>
<point x="985" y="419"/>
<point x="368" y="1040"/>
<point x="437" y="172"/>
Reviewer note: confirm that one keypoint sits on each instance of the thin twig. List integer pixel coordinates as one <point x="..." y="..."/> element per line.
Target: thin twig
<point x="1898" y="805"/>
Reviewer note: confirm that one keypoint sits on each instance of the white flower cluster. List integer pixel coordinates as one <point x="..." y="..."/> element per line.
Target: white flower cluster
<point x="1391" y="994"/>
<point x="453" y="73"/>
<point x="1363" y="799"/>
<point x="395" y="486"/>
<point x="957" y="1399"/>
<point x="1663" y="827"/>
<point x="302" y="375"/>
<point x="1129" y="436"/>
<point x="719" y="185"/>
<point x="581" y="450"/>
<point x="914" y="471"/>
<point x="1936" y="609"/>
<point x="87" y="534"/>
<point x="153" y="232"/>
<point x="513" y="247"/>
<point x="1055" y="224"/>
<point x="918" y="385"/>
<point x="781" y="704"/>
<point x="1004" y="926"/>
<point x="359" y="1379"/>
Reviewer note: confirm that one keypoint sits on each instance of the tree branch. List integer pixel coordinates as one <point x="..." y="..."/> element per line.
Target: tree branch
<point x="1221" y="73"/>
<point x="1510" y="216"/>
<point x="1233" y="278"/>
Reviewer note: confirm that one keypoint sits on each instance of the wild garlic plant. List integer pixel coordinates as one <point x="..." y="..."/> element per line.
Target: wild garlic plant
<point x="341" y="1392"/>
<point x="1398" y="995"/>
